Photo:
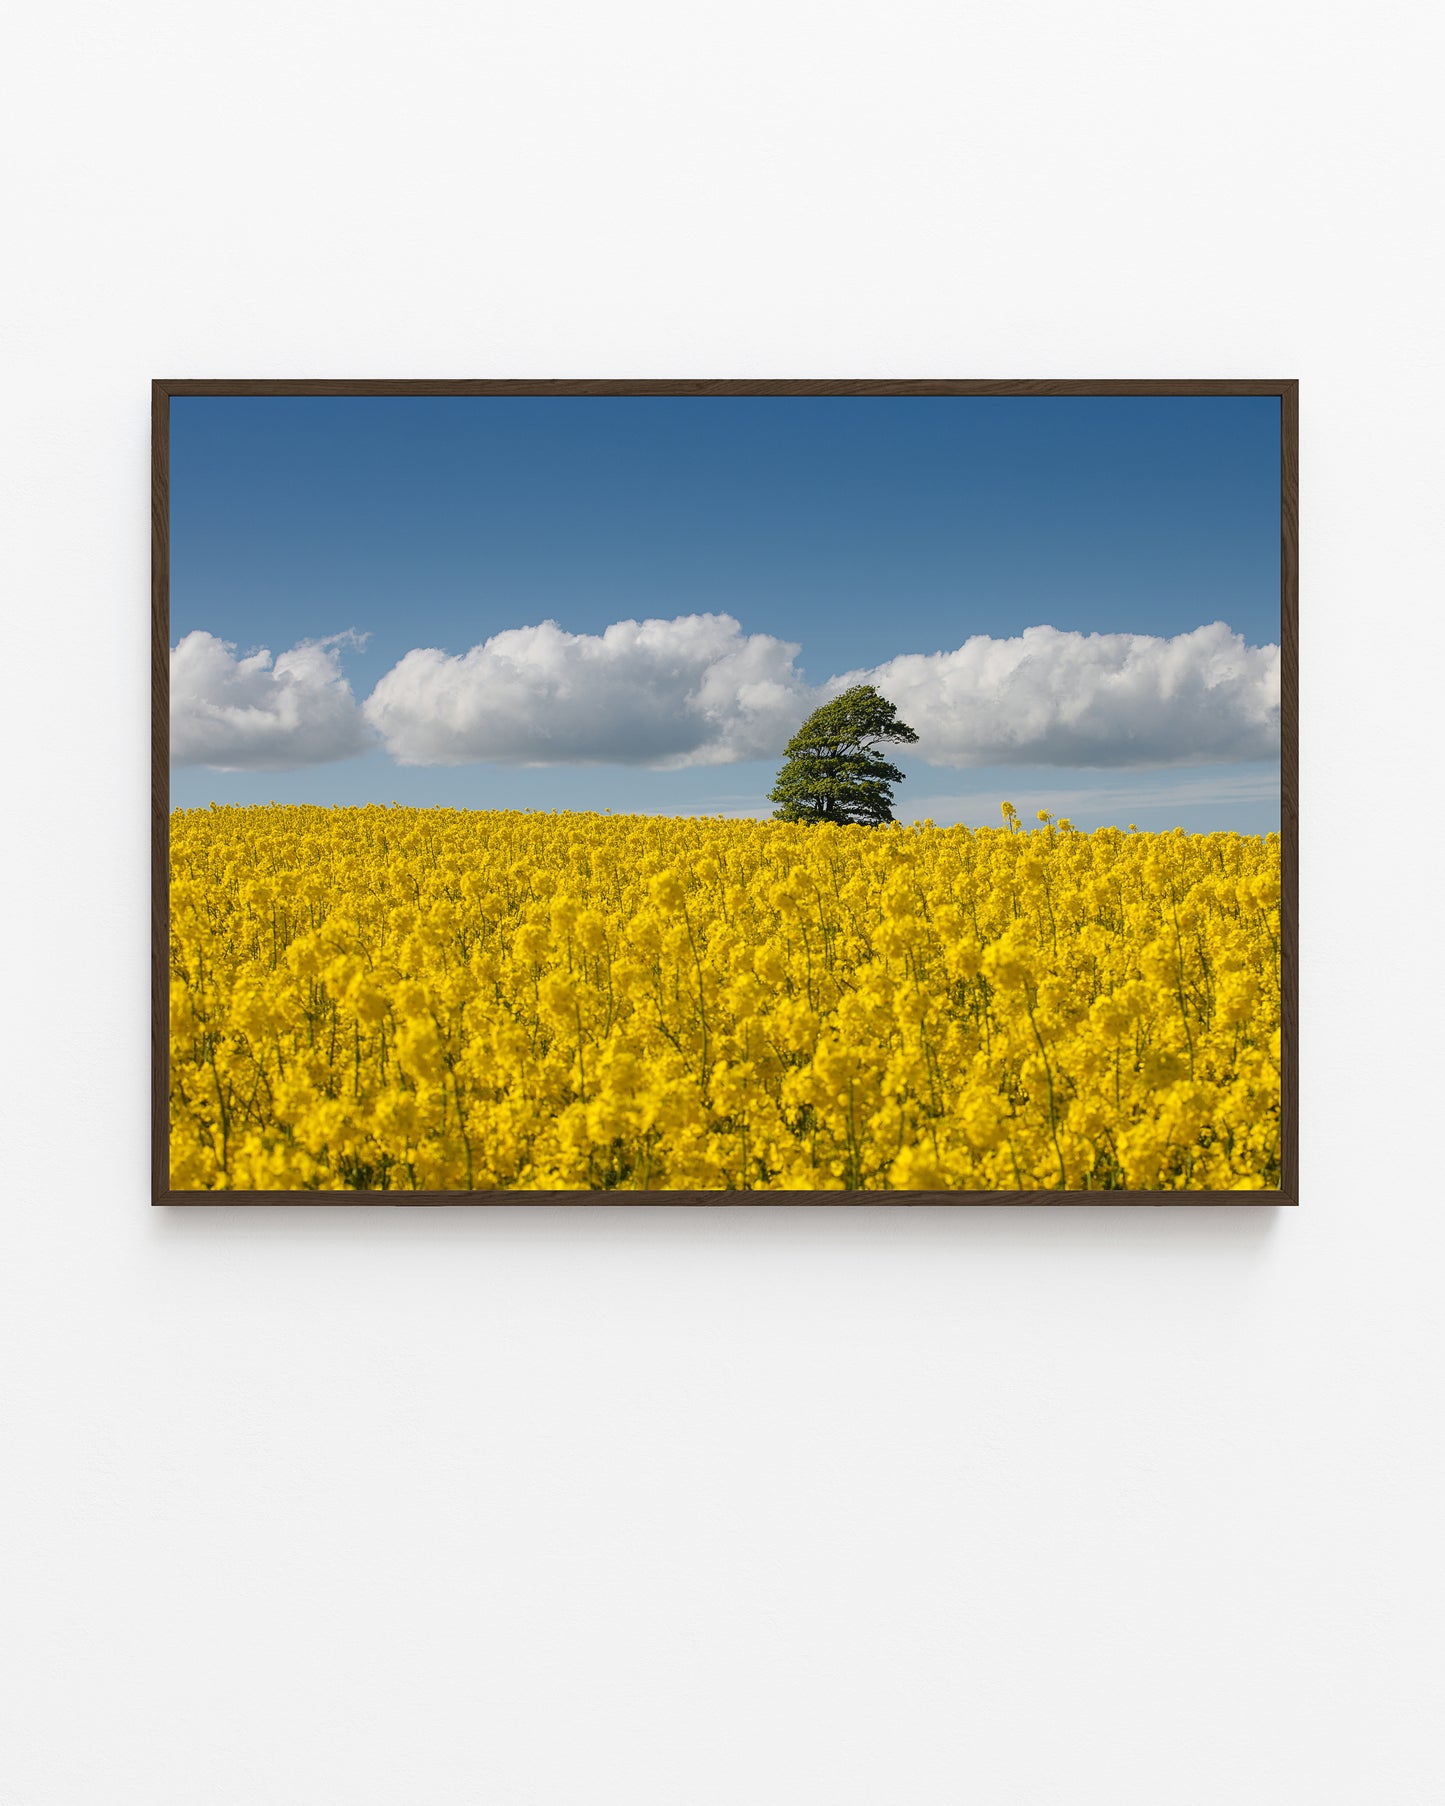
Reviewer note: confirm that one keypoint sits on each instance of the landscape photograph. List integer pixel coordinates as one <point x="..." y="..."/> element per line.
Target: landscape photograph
<point x="872" y="793"/>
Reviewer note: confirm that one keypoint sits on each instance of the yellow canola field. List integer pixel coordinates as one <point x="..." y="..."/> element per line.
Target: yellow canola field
<point x="438" y="999"/>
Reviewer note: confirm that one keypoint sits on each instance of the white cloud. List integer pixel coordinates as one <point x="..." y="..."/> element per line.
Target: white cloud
<point x="1100" y="699"/>
<point x="695" y="690"/>
<point x="698" y="691"/>
<point x="253" y="714"/>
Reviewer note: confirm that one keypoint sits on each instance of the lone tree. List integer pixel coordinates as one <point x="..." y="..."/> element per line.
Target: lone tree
<point x="832" y="771"/>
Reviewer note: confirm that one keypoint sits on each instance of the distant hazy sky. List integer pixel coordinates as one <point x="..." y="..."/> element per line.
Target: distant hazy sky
<point x="859" y="529"/>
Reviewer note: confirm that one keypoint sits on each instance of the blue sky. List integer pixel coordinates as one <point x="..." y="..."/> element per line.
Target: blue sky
<point x="858" y="528"/>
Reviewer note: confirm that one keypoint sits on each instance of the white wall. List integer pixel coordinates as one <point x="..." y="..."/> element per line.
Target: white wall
<point x="768" y="1505"/>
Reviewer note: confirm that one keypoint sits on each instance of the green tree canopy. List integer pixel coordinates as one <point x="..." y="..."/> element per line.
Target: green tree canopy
<point x="833" y="771"/>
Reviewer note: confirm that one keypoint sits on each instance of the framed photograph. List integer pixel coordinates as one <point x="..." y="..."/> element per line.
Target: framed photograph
<point x="725" y="791"/>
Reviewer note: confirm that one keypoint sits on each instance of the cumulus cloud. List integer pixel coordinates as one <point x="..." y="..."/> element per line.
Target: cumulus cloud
<point x="260" y="714"/>
<point x="695" y="690"/>
<point x="1102" y="699"/>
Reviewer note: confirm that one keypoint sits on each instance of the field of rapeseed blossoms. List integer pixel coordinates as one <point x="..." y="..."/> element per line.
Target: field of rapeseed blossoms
<point x="391" y="998"/>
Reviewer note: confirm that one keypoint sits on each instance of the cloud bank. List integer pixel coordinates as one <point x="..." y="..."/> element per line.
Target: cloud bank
<point x="253" y="714"/>
<point x="1100" y="699"/>
<point x="695" y="690"/>
<point x="698" y="691"/>
<point x="1226" y="788"/>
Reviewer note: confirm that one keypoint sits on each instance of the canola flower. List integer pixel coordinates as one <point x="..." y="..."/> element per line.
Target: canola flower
<point x="437" y="999"/>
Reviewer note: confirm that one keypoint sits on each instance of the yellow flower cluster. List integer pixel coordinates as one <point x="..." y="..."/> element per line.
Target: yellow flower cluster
<point x="438" y="999"/>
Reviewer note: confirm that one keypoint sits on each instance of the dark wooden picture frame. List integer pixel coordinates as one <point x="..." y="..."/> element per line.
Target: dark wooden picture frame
<point x="1287" y="394"/>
